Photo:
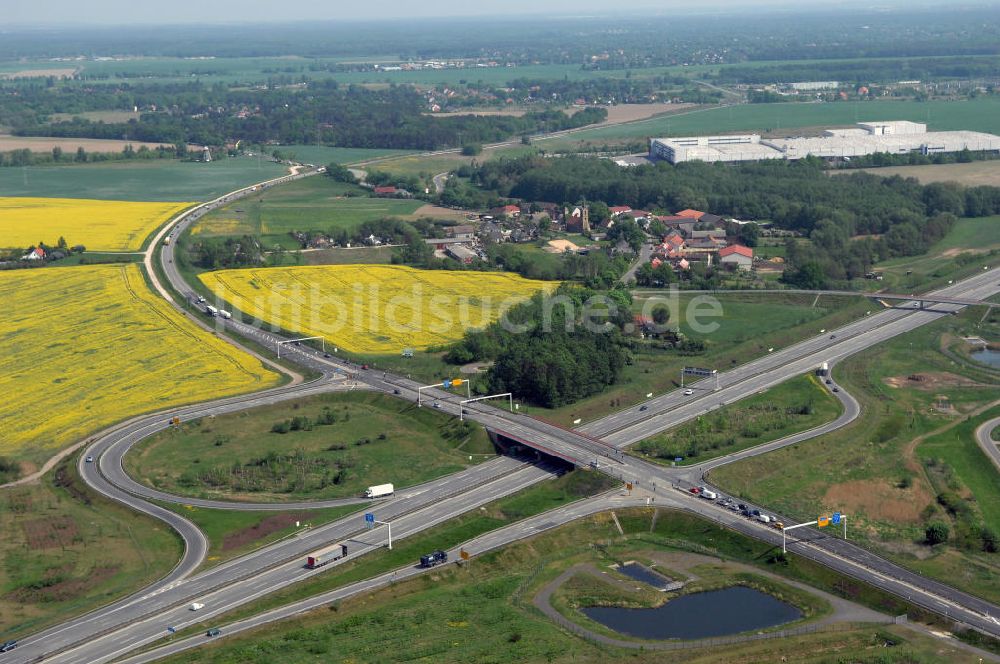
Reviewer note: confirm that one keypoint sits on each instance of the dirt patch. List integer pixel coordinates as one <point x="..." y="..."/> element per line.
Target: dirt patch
<point x="438" y="212"/>
<point x="633" y="112"/>
<point x="879" y="500"/>
<point x="269" y="525"/>
<point x="560" y="246"/>
<point x="951" y="253"/>
<point x="931" y="381"/>
<point x="50" y="533"/>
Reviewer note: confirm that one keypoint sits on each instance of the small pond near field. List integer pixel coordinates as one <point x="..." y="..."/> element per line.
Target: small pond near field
<point x="699" y="615"/>
<point x="987" y="357"/>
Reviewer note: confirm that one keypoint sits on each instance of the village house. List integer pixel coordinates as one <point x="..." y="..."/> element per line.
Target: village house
<point x="738" y="256"/>
<point x="36" y="254"/>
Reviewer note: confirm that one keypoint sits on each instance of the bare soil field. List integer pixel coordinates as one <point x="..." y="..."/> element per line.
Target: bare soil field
<point x="932" y="381"/>
<point x="633" y="112"/>
<point x="437" y="212"/>
<point x="64" y="72"/>
<point x="68" y="145"/>
<point x="970" y="174"/>
<point x="880" y="500"/>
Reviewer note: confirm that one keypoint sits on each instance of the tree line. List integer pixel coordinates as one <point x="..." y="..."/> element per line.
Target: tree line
<point x="323" y="113"/>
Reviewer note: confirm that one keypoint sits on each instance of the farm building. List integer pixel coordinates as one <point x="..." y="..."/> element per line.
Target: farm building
<point x="737" y="255"/>
<point x="896" y="137"/>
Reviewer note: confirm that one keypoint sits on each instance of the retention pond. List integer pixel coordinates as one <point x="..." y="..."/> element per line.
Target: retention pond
<point x="699" y="615"/>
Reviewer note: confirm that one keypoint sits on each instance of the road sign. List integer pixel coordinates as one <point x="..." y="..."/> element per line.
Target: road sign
<point x="823" y="521"/>
<point x="836" y="518"/>
<point x="699" y="371"/>
<point x="369" y="518"/>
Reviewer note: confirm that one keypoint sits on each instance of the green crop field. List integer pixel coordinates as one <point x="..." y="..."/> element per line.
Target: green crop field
<point x="981" y="114"/>
<point x="352" y="440"/>
<point x="316" y="203"/>
<point x="322" y="155"/>
<point x="159" y="180"/>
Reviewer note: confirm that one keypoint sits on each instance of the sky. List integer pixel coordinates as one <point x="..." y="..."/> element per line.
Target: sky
<point x="96" y="12"/>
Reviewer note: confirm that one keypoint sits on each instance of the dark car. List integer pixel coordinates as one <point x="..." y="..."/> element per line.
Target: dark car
<point x="829" y="382"/>
<point x="642" y="408"/>
<point x="326" y="355"/>
<point x="836" y="389"/>
<point x="8" y="646"/>
<point x="396" y="391"/>
<point x="215" y="631"/>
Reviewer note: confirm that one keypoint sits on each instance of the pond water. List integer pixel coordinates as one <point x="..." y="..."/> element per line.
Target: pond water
<point x="987" y="356"/>
<point x="699" y="615"/>
<point x="645" y="575"/>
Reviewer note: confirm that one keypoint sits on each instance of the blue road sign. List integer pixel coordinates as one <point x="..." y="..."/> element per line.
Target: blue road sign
<point x="836" y="518"/>
<point x="369" y="517"/>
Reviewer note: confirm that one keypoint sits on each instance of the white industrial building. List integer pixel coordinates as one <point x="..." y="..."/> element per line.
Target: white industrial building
<point x="896" y="137"/>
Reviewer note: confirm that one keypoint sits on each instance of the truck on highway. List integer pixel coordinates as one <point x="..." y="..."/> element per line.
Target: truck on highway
<point x="225" y="314"/>
<point x="166" y="240"/>
<point x="823" y="369"/>
<point x="763" y="518"/>
<point x="434" y="559"/>
<point x="708" y="495"/>
<point x="379" y="491"/>
<point x="211" y="311"/>
<point x="326" y="555"/>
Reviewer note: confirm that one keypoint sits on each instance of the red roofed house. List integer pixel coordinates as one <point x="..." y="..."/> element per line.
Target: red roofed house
<point x="35" y="254"/>
<point x="385" y="191"/>
<point x="690" y="214"/>
<point x="508" y="211"/>
<point x="737" y="255"/>
<point x="619" y="209"/>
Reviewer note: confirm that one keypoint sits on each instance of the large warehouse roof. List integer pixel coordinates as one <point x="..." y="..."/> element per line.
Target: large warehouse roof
<point x="897" y="137"/>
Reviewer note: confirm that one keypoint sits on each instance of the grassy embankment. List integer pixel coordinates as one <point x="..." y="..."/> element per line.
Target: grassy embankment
<point x="482" y="611"/>
<point x="66" y="550"/>
<point x="793" y="406"/>
<point x="326" y="446"/>
<point x="910" y="460"/>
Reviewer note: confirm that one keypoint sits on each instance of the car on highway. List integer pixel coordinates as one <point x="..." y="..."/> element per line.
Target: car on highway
<point x="695" y="490"/>
<point x="326" y="355"/>
<point x="688" y="393"/>
<point x="90" y="459"/>
<point x="829" y="382"/>
<point x="833" y="336"/>
<point x="201" y="299"/>
<point x="437" y="404"/>
<point x="215" y="631"/>
<point x="396" y="391"/>
<point x="8" y="646"/>
<point x="642" y="408"/>
<point x="836" y="389"/>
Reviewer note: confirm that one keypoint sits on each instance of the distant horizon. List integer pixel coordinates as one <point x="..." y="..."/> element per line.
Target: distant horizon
<point x="184" y="13"/>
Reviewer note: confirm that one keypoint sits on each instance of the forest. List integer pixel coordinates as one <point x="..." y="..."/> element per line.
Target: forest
<point x="569" y="348"/>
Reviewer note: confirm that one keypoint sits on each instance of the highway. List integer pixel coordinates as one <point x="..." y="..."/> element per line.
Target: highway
<point x="139" y="620"/>
<point x="984" y="438"/>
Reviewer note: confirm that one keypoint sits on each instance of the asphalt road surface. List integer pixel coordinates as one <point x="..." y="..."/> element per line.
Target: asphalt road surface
<point x="131" y="623"/>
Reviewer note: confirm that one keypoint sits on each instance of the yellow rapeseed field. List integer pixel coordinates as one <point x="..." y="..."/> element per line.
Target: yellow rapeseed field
<point x="97" y="225"/>
<point x="87" y="346"/>
<point x="373" y="308"/>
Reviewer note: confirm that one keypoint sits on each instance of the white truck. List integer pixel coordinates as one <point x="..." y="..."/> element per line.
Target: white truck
<point x="708" y="494"/>
<point x="166" y="240"/>
<point x="212" y="311"/>
<point x="327" y="555"/>
<point x="763" y="518"/>
<point x="225" y="314"/>
<point x="379" y="491"/>
<point x="195" y="606"/>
